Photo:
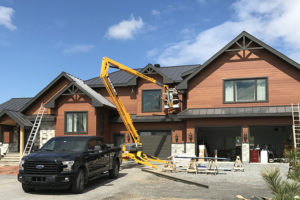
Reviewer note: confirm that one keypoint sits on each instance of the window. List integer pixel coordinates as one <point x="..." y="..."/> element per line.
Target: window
<point x="151" y="101"/>
<point x="245" y="90"/>
<point x="76" y="122"/>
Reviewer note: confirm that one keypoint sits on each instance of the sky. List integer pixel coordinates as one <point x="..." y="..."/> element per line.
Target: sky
<point x="40" y="39"/>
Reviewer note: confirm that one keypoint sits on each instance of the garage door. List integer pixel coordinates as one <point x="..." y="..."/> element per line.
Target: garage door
<point x="156" y="143"/>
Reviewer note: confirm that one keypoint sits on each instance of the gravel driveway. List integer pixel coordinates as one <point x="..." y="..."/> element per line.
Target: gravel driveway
<point x="137" y="185"/>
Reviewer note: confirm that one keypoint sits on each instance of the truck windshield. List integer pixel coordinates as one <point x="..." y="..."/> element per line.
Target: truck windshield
<point x="63" y="144"/>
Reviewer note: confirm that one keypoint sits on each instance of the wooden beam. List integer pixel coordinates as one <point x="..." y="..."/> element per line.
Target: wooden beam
<point x="175" y="178"/>
<point x="21" y="140"/>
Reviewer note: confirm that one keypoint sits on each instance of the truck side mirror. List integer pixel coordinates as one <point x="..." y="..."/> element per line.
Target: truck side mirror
<point x="34" y="148"/>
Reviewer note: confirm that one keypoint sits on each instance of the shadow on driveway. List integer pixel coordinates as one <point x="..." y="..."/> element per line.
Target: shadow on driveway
<point x="94" y="184"/>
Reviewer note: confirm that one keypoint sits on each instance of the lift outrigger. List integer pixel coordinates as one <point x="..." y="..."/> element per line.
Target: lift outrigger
<point x="134" y="150"/>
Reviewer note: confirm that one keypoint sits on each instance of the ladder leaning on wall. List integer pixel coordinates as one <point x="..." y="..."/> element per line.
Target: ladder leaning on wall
<point x="296" y="128"/>
<point x="34" y="130"/>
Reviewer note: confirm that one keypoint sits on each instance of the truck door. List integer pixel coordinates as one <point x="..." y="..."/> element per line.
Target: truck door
<point x="104" y="156"/>
<point x="93" y="159"/>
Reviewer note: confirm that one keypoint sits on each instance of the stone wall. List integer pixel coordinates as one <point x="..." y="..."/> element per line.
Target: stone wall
<point x="47" y="131"/>
<point x="177" y="149"/>
<point x="190" y="148"/>
<point x="13" y="147"/>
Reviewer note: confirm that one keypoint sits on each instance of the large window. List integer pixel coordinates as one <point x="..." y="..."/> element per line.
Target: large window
<point x="76" y="122"/>
<point x="245" y="90"/>
<point x="151" y="101"/>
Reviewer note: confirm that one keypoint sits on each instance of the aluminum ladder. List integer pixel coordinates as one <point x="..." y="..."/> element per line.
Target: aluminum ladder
<point x="296" y="128"/>
<point x="34" y="130"/>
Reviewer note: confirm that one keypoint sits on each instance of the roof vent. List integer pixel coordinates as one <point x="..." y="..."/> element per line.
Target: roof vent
<point x="156" y="65"/>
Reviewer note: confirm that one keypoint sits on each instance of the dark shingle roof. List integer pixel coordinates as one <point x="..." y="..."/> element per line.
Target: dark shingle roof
<point x="14" y="104"/>
<point x="150" y="118"/>
<point x="255" y="111"/>
<point x="18" y="117"/>
<point x="122" y="78"/>
<point x="97" y="99"/>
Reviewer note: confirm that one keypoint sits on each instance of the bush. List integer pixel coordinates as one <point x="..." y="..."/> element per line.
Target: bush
<point x="285" y="189"/>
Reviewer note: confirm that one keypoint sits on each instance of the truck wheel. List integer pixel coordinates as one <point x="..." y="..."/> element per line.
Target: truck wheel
<point x="78" y="184"/>
<point x="114" y="172"/>
<point x="26" y="188"/>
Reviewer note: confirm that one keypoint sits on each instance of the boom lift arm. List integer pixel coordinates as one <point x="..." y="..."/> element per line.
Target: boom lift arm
<point x="134" y="150"/>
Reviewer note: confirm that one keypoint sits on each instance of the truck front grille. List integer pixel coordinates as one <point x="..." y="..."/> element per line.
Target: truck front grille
<point x="41" y="167"/>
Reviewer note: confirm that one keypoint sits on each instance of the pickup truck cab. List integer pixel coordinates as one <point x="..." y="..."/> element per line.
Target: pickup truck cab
<point x="69" y="162"/>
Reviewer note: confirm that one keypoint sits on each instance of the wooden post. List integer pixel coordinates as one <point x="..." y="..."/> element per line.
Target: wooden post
<point x="22" y="135"/>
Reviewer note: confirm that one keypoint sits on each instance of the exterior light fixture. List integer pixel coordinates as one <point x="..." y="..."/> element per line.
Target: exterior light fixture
<point x="190" y="137"/>
<point x="176" y="138"/>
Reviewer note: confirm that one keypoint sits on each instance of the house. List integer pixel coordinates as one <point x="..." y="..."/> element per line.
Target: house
<point x="241" y="95"/>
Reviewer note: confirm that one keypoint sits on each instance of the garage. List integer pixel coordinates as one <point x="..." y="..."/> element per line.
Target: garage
<point x="221" y="138"/>
<point x="156" y="143"/>
<point x="275" y="138"/>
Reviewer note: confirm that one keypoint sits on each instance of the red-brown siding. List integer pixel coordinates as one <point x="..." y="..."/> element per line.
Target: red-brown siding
<point x="206" y="88"/>
<point x="33" y="109"/>
<point x="68" y="104"/>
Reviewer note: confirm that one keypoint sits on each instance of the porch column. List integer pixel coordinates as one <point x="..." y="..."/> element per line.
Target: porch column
<point x="245" y="144"/>
<point x="21" y="140"/>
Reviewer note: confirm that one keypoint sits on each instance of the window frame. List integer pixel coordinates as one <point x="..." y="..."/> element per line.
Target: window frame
<point x="65" y="123"/>
<point x="160" y="101"/>
<point x="255" y="90"/>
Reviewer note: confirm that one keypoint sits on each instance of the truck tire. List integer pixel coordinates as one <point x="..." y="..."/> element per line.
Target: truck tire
<point x="26" y="188"/>
<point x="78" y="184"/>
<point x="114" y="172"/>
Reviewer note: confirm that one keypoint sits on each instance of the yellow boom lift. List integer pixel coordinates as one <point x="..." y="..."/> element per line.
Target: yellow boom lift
<point x="134" y="150"/>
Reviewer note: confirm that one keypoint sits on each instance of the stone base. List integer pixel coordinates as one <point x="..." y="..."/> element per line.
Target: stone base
<point x="47" y="131"/>
<point x="177" y="149"/>
<point x="245" y="152"/>
<point x="190" y="148"/>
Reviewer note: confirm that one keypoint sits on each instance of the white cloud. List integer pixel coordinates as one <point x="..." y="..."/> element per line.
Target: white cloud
<point x="6" y="15"/>
<point x="155" y="12"/>
<point x="78" y="48"/>
<point x="274" y="21"/>
<point x="125" y="29"/>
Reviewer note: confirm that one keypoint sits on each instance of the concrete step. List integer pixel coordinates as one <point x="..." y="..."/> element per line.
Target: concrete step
<point x="9" y="163"/>
<point x="10" y="159"/>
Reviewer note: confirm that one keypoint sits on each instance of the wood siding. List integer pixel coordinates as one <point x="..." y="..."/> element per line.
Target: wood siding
<point x="33" y="109"/>
<point x="70" y="104"/>
<point x="206" y="88"/>
<point x="131" y="96"/>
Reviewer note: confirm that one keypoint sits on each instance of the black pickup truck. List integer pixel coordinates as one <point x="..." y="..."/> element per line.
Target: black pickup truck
<point x="69" y="162"/>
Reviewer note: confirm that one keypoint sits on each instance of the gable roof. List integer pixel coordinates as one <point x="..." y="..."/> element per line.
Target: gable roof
<point x="184" y="83"/>
<point x="18" y="117"/>
<point x="32" y="100"/>
<point x="97" y="99"/>
<point x="14" y="104"/>
<point x="79" y="83"/>
<point x="121" y="78"/>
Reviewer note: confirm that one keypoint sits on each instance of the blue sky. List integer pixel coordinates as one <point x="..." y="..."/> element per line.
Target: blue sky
<point x="40" y="39"/>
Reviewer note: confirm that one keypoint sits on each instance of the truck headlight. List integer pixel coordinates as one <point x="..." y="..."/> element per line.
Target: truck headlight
<point x="21" y="164"/>
<point x="67" y="166"/>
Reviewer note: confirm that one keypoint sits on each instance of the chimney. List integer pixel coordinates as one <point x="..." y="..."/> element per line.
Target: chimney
<point x="156" y="65"/>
